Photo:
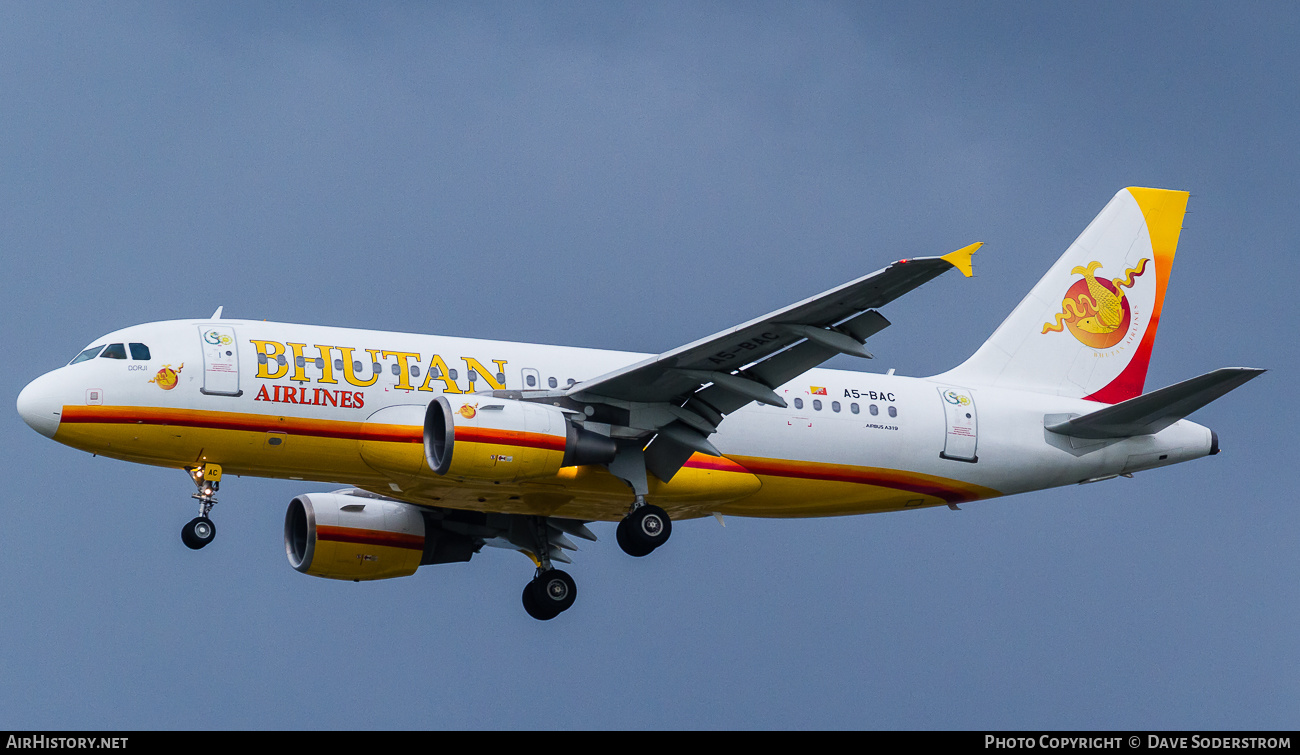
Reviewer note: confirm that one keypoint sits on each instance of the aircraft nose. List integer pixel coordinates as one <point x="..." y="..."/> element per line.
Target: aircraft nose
<point x="39" y="406"/>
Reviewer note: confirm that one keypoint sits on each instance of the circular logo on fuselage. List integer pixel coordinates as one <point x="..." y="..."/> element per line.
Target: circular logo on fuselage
<point x="167" y="377"/>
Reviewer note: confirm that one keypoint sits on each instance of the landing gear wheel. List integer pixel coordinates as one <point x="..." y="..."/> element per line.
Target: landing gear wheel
<point x="630" y="546"/>
<point x="530" y="605"/>
<point x="549" y="594"/>
<point x="643" y="530"/>
<point x="198" y="532"/>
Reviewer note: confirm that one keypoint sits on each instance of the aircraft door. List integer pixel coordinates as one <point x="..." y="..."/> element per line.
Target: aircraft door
<point x="220" y="361"/>
<point x="962" y="425"/>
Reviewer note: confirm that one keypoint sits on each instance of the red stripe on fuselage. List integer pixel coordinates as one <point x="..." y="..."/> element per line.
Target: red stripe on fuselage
<point x="134" y="415"/>
<point x="131" y="415"/>
<point x="862" y="475"/>
<point x="716" y="463"/>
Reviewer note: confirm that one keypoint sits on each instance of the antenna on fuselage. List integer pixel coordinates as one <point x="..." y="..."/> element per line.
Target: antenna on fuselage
<point x="217" y="315"/>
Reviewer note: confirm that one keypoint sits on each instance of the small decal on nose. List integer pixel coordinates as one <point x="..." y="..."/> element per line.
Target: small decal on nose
<point x="167" y="377"/>
<point x="94" y="397"/>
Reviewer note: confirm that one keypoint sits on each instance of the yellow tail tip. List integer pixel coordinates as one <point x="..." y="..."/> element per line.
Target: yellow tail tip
<point x="961" y="259"/>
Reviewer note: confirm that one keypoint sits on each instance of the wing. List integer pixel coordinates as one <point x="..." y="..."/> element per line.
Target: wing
<point x="681" y="395"/>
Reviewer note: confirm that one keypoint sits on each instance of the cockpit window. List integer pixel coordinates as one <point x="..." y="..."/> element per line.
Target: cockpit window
<point x="114" y="351"/>
<point x="90" y="353"/>
<point x="139" y="352"/>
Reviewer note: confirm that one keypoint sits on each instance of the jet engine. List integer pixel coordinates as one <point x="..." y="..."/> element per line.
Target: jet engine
<point x="342" y="536"/>
<point x="504" y="440"/>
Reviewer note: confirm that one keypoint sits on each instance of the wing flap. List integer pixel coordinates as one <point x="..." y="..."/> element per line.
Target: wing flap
<point x="777" y="370"/>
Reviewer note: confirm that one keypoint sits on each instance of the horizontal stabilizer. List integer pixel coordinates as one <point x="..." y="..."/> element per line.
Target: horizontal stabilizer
<point x="1154" y="411"/>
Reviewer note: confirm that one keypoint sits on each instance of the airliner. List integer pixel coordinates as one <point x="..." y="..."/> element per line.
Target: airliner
<point x="445" y="445"/>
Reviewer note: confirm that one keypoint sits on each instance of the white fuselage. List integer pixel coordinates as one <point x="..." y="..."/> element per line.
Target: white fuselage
<point x="847" y="442"/>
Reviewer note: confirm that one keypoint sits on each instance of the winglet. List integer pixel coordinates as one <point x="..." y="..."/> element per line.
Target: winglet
<point x="960" y="259"/>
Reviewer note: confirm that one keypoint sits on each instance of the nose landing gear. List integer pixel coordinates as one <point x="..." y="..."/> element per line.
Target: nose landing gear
<point x="200" y="530"/>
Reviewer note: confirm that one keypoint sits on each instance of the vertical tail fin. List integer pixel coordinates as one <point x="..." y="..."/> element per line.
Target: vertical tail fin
<point x="1087" y="328"/>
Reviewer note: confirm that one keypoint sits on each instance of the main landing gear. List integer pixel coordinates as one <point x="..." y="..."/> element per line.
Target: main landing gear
<point x="200" y="530"/>
<point x="551" y="592"/>
<point x="645" y="528"/>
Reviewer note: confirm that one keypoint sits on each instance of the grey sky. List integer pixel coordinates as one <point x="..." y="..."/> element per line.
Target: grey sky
<point x="635" y="178"/>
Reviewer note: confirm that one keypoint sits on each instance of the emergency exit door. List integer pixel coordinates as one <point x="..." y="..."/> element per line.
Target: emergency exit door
<point x="962" y="425"/>
<point x="220" y="361"/>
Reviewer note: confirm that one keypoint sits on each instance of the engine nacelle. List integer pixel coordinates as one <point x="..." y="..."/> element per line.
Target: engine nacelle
<point x="504" y="440"/>
<point x="350" y="537"/>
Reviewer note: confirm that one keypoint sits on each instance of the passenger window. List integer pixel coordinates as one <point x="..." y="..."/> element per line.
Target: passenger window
<point x="280" y="360"/>
<point x="300" y="361"/>
<point x="835" y="407"/>
<point x="338" y="365"/>
<point x="552" y="382"/>
<point x="817" y="404"/>
<point x="378" y="368"/>
<point x="114" y="351"/>
<point x="395" y="370"/>
<point x="854" y="407"/>
<point x="437" y="373"/>
<point x="501" y="378"/>
<point x="356" y="366"/>
<point x="893" y="412"/>
<point x="798" y="403"/>
<point x="139" y="352"/>
<point x="90" y="353"/>
<point x="415" y="370"/>
<point x="261" y="358"/>
<point x="452" y="374"/>
<point x="473" y="376"/>
<point x="571" y="382"/>
<point x="874" y="410"/>
<point x="532" y="381"/>
<point x="320" y="363"/>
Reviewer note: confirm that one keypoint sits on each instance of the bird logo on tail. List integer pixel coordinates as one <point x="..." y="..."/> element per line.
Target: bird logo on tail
<point x="1096" y="310"/>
